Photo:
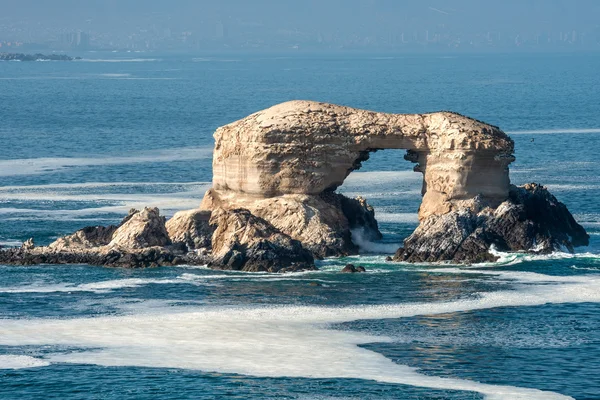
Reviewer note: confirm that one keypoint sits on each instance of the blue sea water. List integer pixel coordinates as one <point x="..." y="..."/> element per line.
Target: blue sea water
<point x="82" y="142"/>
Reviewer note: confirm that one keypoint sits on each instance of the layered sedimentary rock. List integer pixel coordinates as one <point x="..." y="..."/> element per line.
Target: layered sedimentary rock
<point x="307" y="148"/>
<point x="284" y="163"/>
<point x="273" y="205"/>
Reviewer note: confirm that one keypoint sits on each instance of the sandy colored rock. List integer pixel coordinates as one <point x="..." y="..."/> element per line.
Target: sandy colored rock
<point x="192" y="228"/>
<point x="245" y="242"/>
<point x="144" y="228"/>
<point x="319" y="222"/>
<point x="284" y="163"/>
<point x="305" y="147"/>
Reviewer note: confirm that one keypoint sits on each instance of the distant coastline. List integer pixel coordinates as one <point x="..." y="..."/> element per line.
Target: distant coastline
<point x="35" y="57"/>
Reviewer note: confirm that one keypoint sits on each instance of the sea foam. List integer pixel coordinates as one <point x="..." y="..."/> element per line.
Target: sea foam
<point x="33" y="166"/>
<point x="19" y="362"/>
<point x="276" y="341"/>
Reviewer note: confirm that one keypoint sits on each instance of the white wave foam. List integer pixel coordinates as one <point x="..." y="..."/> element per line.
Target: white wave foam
<point x="400" y="218"/>
<point x="96" y="287"/>
<point x="517" y="258"/>
<point x="291" y="341"/>
<point x="18" y="362"/>
<point x="383" y="195"/>
<point x="115" y="60"/>
<point x="95" y="185"/>
<point x="182" y="196"/>
<point x="379" y="177"/>
<point x="585" y="268"/>
<point x="114" y="75"/>
<point x="211" y="59"/>
<point x="571" y="187"/>
<point x="367" y="246"/>
<point x="11" y="243"/>
<point x="552" y="131"/>
<point x="34" y="166"/>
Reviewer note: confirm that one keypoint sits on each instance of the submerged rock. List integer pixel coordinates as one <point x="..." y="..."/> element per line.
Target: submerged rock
<point x="350" y="268"/>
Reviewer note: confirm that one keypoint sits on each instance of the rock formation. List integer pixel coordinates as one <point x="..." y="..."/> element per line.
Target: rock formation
<point x="140" y="240"/>
<point x="530" y="220"/>
<point x="273" y="205"/>
<point x="245" y="242"/>
<point x="284" y="163"/>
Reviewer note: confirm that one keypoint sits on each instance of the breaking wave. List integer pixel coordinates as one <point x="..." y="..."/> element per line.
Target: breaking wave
<point x="20" y="362"/>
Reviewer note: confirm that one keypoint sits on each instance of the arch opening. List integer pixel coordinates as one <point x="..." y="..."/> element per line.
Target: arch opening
<point x="390" y="184"/>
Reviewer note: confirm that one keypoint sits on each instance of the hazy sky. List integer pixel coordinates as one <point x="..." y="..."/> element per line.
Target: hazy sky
<point x="469" y="14"/>
<point x="337" y="17"/>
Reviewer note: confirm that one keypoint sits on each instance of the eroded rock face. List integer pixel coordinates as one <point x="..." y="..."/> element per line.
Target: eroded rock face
<point x="245" y="242"/>
<point x="322" y="223"/>
<point x="531" y="220"/>
<point x="284" y="163"/>
<point x="142" y="229"/>
<point x="192" y="228"/>
<point x="304" y="147"/>
<point x="273" y="205"/>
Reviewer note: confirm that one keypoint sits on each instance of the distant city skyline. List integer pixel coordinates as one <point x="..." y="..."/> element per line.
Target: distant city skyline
<point x="230" y="25"/>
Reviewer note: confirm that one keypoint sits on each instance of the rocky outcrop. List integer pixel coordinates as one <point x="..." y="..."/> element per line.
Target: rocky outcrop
<point x="140" y="240"/>
<point x="35" y="57"/>
<point x="283" y="164"/>
<point x="304" y="147"/>
<point x="273" y="205"/>
<point x="351" y="269"/>
<point x="244" y="242"/>
<point x="223" y="239"/>
<point x="530" y="220"/>
<point x="192" y="228"/>
<point x="142" y="229"/>
<point x="320" y="222"/>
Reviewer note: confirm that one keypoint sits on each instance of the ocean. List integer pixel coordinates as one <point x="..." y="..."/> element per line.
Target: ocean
<point x="85" y="141"/>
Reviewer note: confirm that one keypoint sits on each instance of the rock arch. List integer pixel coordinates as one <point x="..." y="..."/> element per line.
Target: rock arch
<point x="305" y="147"/>
<point x="284" y="163"/>
<point x="273" y="205"/>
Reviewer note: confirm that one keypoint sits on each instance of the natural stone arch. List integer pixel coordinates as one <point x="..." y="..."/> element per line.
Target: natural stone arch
<point x="284" y="163"/>
<point x="305" y="147"/>
<point x="273" y="205"/>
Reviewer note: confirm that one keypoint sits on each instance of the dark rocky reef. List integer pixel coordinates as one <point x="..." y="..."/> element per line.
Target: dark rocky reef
<point x="233" y="240"/>
<point x="531" y="220"/>
<point x="35" y="57"/>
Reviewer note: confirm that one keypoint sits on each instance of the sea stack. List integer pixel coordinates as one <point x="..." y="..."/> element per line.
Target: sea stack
<point x="284" y="164"/>
<point x="274" y="207"/>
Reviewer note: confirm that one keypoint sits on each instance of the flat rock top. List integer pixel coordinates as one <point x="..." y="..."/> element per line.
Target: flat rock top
<point x="315" y="120"/>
